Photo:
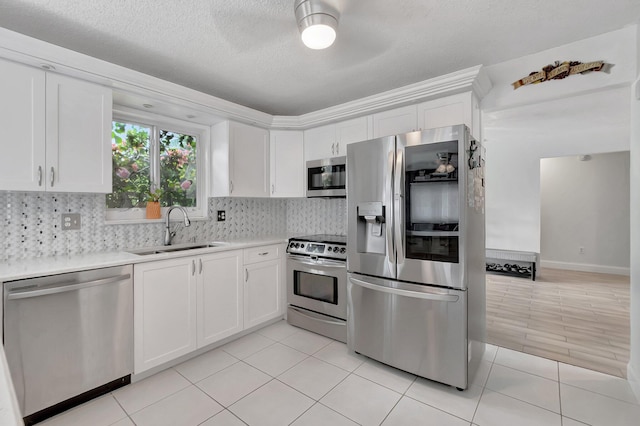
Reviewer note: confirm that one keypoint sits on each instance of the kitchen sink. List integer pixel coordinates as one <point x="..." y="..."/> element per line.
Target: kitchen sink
<point x="179" y="247"/>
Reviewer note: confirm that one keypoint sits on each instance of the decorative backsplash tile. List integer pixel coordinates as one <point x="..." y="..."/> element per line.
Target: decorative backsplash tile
<point x="30" y="223"/>
<point x="317" y="215"/>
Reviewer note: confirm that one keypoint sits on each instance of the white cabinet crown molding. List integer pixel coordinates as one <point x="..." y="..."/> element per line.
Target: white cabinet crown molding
<point x="20" y="48"/>
<point x="470" y="79"/>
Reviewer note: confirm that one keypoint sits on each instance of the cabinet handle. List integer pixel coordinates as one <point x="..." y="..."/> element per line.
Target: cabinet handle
<point x="273" y="188"/>
<point x="53" y="176"/>
<point x="333" y="151"/>
<point x="337" y="147"/>
<point x="246" y="274"/>
<point x="230" y="187"/>
<point x="264" y="253"/>
<point x="39" y="175"/>
<point x="200" y="266"/>
<point x="193" y="267"/>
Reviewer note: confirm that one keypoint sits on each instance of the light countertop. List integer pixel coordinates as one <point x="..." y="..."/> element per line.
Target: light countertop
<point x="41" y="266"/>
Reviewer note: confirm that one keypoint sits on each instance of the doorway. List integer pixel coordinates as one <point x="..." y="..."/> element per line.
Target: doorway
<point x="577" y="311"/>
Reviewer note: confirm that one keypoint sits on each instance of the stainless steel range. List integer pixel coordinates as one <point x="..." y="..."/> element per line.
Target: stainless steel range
<point x="317" y="284"/>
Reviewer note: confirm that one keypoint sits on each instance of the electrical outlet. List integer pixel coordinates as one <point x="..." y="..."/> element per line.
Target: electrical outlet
<point x="221" y="215"/>
<point x="70" y="221"/>
<point x="581" y="250"/>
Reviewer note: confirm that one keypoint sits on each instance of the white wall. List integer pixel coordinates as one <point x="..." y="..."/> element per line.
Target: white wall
<point x="581" y="114"/>
<point x="633" y="371"/>
<point x="516" y="140"/>
<point x="585" y="204"/>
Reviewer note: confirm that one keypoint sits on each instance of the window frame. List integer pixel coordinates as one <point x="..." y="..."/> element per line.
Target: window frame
<point x="156" y="122"/>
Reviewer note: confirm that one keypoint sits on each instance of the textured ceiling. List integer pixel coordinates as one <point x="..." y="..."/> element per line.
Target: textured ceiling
<point x="249" y="51"/>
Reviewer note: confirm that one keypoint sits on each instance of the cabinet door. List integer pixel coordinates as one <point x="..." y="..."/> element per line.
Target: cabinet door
<point x="447" y="111"/>
<point x="287" y="163"/>
<point x="78" y="135"/>
<point x="164" y="311"/>
<point x="395" y="121"/>
<point x="249" y="161"/>
<point x="23" y="125"/>
<point x="220" y="296"/>
<point x="262" y="299"/>
<point x="320" y="142"/>
<point x="350" y="131"/>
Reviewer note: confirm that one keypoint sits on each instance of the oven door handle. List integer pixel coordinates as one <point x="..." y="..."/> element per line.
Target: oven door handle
<point x="440" y="297"/>
<point x="336" y="322"/>
<point x="328" y="264"/>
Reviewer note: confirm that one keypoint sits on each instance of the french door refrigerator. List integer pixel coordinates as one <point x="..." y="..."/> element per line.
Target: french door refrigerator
<point x="416" y="252"/>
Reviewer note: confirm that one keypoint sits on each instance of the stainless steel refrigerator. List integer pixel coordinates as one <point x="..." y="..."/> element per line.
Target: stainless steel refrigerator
<point x="416" y="252"/>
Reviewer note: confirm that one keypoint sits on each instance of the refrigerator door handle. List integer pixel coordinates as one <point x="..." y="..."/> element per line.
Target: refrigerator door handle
<point x="399" y="207"/>
<point x="389" y="212"/>
<point x="440" y="297"/>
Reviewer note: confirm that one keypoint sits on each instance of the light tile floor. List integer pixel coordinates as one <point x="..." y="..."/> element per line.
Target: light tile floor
<point x="282" y="375"/>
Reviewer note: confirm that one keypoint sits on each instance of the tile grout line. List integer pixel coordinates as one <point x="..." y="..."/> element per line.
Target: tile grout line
<point x="560" y="394"/>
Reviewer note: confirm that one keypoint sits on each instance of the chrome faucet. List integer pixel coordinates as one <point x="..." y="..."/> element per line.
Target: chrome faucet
<point x="167" y="231"/>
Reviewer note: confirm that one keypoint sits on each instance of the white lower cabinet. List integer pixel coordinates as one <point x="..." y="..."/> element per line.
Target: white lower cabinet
<point x="263" y="284"/>
<point x="164" y="318"/>
<point x="187" y="303"/>
<point x="220" y="296"/>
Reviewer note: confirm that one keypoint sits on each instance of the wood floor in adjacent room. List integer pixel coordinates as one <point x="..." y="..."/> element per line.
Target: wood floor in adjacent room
<point x="578" y="318"/>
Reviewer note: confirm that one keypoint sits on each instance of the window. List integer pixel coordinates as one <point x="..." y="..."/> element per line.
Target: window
<point x="154" y="154"/>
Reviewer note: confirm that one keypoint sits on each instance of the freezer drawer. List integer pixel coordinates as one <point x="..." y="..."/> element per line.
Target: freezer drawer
<point x="416" y="328"/>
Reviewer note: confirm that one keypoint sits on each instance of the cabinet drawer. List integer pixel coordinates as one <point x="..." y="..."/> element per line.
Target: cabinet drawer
<point x="260" y="254"/>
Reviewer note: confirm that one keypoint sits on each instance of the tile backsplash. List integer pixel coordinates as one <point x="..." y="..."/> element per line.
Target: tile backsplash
<point x="30" y="223"/>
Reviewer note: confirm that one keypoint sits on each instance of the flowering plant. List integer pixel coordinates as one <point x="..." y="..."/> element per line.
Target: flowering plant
<point x="154" y="196"/>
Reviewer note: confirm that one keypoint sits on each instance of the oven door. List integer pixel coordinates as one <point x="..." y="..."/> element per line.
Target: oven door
<point x="318" y="285"/>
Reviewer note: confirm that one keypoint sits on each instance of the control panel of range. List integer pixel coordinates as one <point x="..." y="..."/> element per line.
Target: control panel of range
<point x="310" y="248"/>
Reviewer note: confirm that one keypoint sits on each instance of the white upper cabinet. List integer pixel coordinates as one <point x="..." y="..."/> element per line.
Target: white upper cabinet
<point x="58" y="130"/>
<point x="349" y="131"/>
<point x="22" y="111"/>
<point x="332" y="140"/>
<point x="240" y="162"/>
<point x="78" y="135"/>
<point x="287" y="163"/>
<point x="449" y="111"/>
<point x="319" y="141"/>
<point x="395" y="121"/>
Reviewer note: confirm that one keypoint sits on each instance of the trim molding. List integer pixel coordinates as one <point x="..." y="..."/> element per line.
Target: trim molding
<point x="586" y="267"/>
<point x="30" y="51"/>
<point x="634" y="380"/>
<point x="469" y="79"/>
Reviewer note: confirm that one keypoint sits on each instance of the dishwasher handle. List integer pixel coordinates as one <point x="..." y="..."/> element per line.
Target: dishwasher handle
<point x="64" y="287"/>
<point x="440" y="297"/>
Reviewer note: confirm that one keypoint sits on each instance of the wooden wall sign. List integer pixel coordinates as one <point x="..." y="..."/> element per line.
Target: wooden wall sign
<point x="560" y="70"/>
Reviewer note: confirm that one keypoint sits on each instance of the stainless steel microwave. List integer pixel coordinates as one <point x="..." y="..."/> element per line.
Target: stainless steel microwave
<point x="327" y="177"/>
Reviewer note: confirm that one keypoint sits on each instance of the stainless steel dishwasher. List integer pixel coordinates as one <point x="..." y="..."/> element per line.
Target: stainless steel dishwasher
<point x="68" y="338"/>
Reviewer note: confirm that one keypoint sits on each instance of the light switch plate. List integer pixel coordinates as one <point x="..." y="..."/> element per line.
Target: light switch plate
<point x="70" y="221"/>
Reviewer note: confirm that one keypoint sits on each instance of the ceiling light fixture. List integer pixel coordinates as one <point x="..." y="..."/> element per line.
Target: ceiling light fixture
<point x="317" y="22"/>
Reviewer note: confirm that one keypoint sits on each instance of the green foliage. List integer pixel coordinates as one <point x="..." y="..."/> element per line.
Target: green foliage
<point x="155" y="196"/>
<point x="177" y="169"/>
<point x="132" y="185"/>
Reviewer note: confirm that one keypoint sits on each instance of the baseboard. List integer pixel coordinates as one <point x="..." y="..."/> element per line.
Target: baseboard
<point x="634" y="380"/>
<point x="585" y="267"/>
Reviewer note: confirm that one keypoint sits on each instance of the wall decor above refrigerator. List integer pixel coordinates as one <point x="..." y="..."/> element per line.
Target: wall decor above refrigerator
<point x="416" y="280"/>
